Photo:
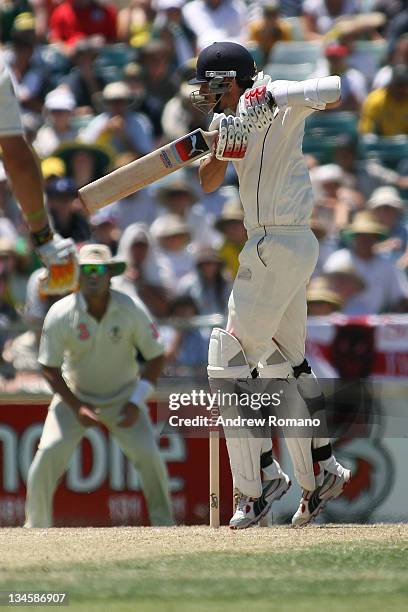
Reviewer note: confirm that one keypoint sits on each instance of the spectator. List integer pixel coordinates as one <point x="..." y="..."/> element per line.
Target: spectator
<point x="346" y="283"/>
<point x="139" y="207"/>
<point x="388" y="209"/>
<point x="82" y="79"/>
<point x="171" y="28"/>
<point x="231" y="225"/>
<point x="52" y="168"/>
<point x="84" y="162"/>
<point x="119" y="127"/>
<point x="391" y="8"/>
<point x="269" y="29"/>
<point x="385" y="111"/>
<point x="321" y="299"/>
<point x="67" y="221"/>
<point x="177" y="196"/>
<point x="328" y="241"/>
<point x="397" y="26"/>
<point x="350" y="30"/>
<point x="13" y="281"/>
<point x="158" y="79"/>
<point x="185" y="347"/>
<point x="207" y="284"/>
<point x="9" y="11"/>
<point x="104" y="229"/>
<point x="135" y="22"/>
<point x="29" y="72"/>
<point x="59" y="105"/>
<point x="386" y="288"/>
<point x="134" y="77"/>
<point x="363" y="175"/>
<point x="72" y="20"/>
<point x="172" y="235"/>
<point x="334" y="202"/>
<point x="320" y="15"/>
<point x="31" y="124"/>
<point x="147" y="276"/>
<point x="214" y="20"/>
<point x="179" y="116"/>
<point x="353" y="83"/>
<point x="398" y="55"/>
<point x="22" y="352"/>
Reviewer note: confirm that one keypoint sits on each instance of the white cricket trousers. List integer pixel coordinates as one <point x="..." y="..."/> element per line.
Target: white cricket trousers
<point x="268" y="299"/>
<point x="62" y="433"/>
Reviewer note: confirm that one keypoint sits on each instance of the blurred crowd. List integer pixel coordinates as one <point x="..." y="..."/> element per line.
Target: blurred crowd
<point x="101" y="84"/>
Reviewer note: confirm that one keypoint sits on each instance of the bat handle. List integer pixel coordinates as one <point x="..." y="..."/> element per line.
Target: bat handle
<point x="270" y="100"/>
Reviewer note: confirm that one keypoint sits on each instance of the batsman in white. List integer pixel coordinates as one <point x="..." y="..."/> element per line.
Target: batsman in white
<point x="261" y="126"/>
<point x="87" y="350"/>
<point x="25" y="176"/>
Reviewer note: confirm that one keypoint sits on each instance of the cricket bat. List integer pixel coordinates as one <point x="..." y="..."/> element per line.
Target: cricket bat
<point x="149" y="168"/>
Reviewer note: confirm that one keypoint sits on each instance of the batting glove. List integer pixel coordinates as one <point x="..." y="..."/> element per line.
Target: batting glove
<point x="56" y="251"/>
<point x="232" y="142"/>
<point x="59" y="256"/>
<point x="256" y="108"/>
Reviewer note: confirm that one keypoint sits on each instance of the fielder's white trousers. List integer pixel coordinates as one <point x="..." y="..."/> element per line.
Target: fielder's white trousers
<point x="268" y="299"/>
<point x="62" y="433"/>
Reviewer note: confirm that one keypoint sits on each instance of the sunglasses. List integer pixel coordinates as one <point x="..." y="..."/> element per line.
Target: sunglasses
<point x="98" y="269"/>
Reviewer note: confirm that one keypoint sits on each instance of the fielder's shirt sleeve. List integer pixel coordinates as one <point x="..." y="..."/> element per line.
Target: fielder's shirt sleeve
<point x="146" y="335"/>
<point x="51" y="352"/>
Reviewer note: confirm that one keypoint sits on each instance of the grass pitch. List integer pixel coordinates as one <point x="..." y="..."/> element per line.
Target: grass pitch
<point x="198" y="569"/>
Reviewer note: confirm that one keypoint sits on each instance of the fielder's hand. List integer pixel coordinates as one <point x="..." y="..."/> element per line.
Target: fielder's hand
<point x="256" y="108"/>
<point x="232" y="142"/>
<point x="59" y="256"/>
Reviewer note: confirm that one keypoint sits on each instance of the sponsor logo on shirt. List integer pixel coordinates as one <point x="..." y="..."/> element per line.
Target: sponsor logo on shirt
<point x="115" y="334"/>
<point x="155" y="331"/>
<point x="83" y="331"/>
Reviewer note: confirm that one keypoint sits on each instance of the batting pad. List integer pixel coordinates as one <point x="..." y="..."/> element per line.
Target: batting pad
<point x="226" y="364"/>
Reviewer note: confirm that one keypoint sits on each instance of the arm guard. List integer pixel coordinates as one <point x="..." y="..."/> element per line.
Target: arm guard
<point x="312" y="93"/>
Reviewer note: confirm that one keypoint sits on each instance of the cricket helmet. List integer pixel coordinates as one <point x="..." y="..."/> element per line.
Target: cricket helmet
<point x="224" y="57"/>
<point x="218" y="65"/>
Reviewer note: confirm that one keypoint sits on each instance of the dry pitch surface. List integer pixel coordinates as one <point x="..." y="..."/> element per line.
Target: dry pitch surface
<point x="197" y="569"/>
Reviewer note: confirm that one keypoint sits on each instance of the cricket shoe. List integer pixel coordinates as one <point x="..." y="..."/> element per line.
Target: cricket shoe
<point x="248" y="510"/>
<point x="313" y="502"/>
<point x="272" y="490"/>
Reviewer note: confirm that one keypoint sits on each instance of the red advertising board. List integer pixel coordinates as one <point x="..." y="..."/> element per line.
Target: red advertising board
<point x="101" y="488"/>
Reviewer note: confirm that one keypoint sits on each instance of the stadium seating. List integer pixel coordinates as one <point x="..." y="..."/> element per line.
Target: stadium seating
<point x="296" y="27"/>
<point x="322" y="132"/>
<point x="321" y="149"/>
<point x="57" y="63"/>
<point x="296" y="52"/>
<point x="373" y="48"/>
<point x="391" y="151"/>
<point x="334" y="123"/>
<point x="109" y="74"/>
<point x="117" y="55"/>
<point x="289" y="72"/>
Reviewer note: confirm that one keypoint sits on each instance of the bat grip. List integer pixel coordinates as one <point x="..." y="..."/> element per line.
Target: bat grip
<point x="270" y="100"/>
